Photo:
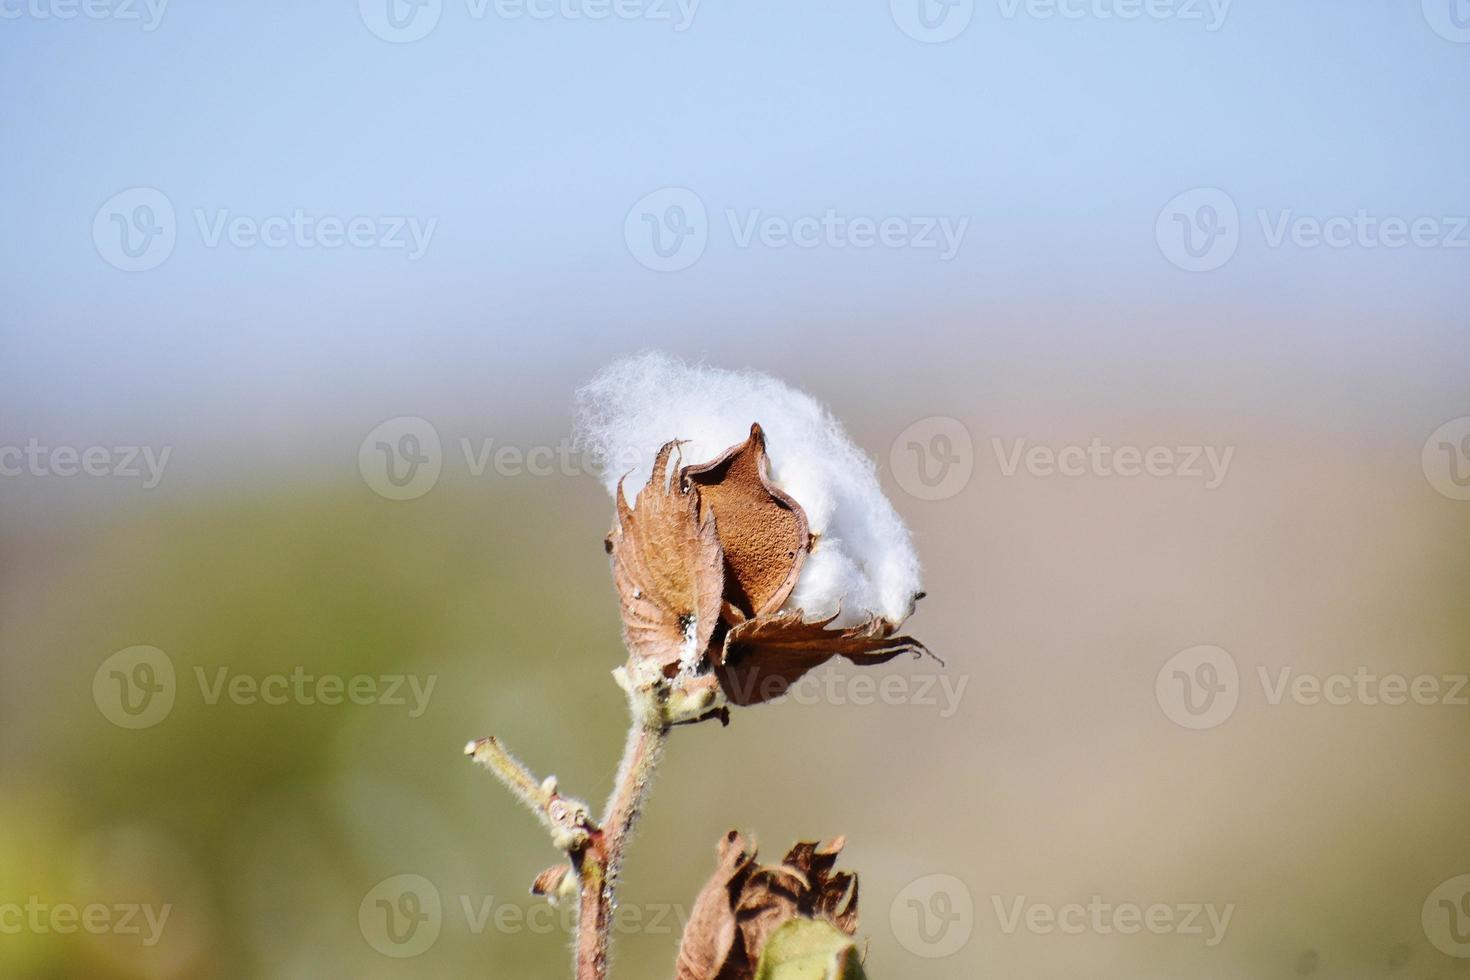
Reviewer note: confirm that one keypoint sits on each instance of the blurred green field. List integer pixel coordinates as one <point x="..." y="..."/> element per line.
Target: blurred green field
<point x="267" y="827"/>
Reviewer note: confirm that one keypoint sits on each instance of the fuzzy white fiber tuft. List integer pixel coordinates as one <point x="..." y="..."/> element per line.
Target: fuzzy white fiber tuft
<point x="864" y="561"/>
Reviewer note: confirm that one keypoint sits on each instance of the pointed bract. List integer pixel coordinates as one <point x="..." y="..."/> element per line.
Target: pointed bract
<point x="762" y="530"/>
<point x="763" y="657"/>
<point x="668" y="568"/>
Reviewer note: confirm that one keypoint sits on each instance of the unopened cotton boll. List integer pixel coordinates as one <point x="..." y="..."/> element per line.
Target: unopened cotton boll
<point x="863" y="562"/>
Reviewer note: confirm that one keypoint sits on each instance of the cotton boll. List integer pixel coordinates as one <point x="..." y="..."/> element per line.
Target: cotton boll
<point x="863" y="562"/>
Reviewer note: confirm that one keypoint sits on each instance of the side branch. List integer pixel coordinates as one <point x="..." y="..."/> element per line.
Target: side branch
<point x="596" y="851"/>
<point x="569" y="820"/>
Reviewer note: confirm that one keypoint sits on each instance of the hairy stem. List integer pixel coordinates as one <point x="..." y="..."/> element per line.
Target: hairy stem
<point x="602" y="863"/>
<point x="596" y="850"/>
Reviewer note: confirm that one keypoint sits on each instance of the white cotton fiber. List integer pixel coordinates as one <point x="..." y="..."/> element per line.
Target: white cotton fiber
<point x="864" y="560"/>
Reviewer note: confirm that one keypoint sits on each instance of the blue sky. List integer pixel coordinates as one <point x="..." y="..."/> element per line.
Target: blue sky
<point x="1056" y="133"/>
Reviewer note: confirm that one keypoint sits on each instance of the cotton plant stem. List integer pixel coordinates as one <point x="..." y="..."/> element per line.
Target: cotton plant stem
<point x="596" y="851"/>
<point x="603" y="863"/>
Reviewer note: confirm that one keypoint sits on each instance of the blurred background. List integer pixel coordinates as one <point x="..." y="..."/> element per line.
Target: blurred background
<point x="1152" y="316"/>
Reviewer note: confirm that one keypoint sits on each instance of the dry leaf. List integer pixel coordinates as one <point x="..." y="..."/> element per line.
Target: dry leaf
<point x="709" y="937"/>
<point x="743" y="904"/>
<point x="763" y="657"/>
<point x="762" y="531"/>
<point x="555" y="883"/>
<point x="668" y="568"/>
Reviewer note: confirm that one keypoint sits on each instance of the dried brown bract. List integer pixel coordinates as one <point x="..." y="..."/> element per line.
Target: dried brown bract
<point x="744" y="903"/>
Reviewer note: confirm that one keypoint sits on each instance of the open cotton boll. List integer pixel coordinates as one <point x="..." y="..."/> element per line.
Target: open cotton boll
<point x="863" y="562"/>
